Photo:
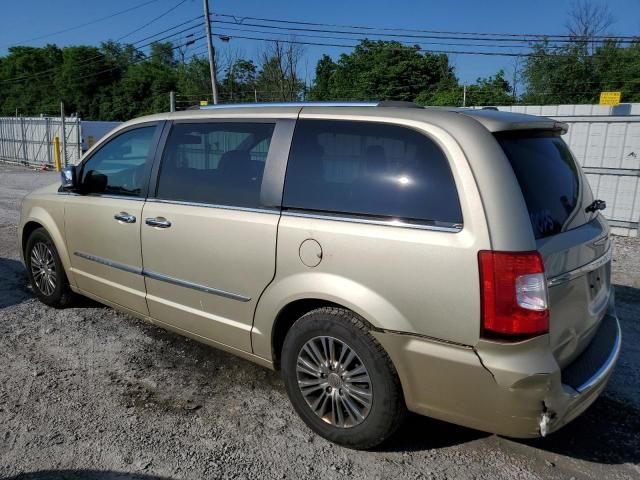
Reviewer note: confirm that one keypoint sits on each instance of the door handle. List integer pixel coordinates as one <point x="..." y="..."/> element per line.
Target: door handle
<point x="159" y="222"/>
<point x="125" y="217"/>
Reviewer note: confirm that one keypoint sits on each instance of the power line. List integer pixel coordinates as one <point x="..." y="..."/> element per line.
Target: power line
<point x="240" y="19"/>
<point x="199" y="17"/>
<point x="341" y="45"/>
<point x="491" y="45"/>
<point x="91" y="22"/>
<point x="152" y="21"/>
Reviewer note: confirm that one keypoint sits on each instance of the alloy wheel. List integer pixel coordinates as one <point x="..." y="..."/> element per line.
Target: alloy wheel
<point x="334" y="382"/>
<point x="43" y="268"/>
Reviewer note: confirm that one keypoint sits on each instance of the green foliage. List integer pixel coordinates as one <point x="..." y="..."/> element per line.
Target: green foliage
<point x="579" y="72"/>
<point x="382" y="71"/>
<point x="117" y="82"/>
<point x="239" y="84"/>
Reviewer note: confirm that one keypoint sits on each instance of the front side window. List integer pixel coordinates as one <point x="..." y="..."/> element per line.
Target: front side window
<point x="215" y="163"/>
<point x="370" y="169"/>
<point x="119" y="166"/>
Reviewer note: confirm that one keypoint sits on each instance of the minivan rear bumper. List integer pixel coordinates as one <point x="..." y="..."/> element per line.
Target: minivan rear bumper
<point x="509" y="389"/>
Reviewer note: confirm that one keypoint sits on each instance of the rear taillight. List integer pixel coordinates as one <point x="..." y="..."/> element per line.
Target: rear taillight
<point x="514" y="294"/>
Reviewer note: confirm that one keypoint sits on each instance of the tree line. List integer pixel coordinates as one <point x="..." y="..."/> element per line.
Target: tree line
<point x="118" y="81"/>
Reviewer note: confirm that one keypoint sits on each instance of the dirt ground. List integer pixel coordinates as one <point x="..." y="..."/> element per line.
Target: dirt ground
<point x="88" y="392"/>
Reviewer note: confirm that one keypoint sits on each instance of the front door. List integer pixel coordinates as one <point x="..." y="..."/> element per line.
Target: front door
<point x="102" y="221"/>
<point x="208" y="244"/>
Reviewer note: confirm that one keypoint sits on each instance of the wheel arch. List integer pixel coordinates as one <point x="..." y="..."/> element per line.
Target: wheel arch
<point x="41" y="218"/>
<point x="288" y="299"/>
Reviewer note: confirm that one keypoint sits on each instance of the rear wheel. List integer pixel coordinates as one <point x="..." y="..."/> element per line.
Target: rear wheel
<point x="45" y="271"/>
<point x="340" y="380"/>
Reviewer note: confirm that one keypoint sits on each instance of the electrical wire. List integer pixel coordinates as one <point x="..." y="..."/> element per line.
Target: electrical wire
<point x="571" y="38"/>
<point x="91" y="22"/>
<point x="167" y="12"/>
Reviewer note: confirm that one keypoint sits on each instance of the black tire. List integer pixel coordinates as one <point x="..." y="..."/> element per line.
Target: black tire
<point x="387" y="408"/>
<point x="59" y="296"/>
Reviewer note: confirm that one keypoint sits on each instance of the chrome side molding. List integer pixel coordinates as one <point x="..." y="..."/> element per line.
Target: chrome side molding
<point x="109" y="263"/>
<point x="163" y="278"/>
<point x="452" y="228"/>
<point x="195" y="286"/>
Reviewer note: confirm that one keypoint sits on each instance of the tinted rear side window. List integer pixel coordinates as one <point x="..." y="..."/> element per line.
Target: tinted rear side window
<point x="548" y="177"/>
<point x="370" y="169"/>
<point x="215" y="163"/>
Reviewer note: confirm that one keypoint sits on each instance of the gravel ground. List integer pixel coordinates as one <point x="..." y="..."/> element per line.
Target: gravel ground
<point x="88" y="392"/>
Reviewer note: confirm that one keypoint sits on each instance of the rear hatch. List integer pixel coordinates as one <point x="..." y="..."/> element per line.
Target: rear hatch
<point x="573" y="242"/>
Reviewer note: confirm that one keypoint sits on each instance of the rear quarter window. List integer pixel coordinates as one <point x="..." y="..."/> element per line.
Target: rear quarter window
<point x="370" y="169"/>
<point x="548" y="176"/>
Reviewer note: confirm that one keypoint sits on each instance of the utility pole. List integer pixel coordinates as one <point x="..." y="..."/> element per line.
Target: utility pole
<point x="172" y="101"/>
<point x="212" y="66"/>
<point x="464" y="95"/>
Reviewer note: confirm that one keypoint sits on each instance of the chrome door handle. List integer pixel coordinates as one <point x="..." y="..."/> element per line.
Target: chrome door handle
<point x="159" y="222"/>
<point x="125" y="217"/>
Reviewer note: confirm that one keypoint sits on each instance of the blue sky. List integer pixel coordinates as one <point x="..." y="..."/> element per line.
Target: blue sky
<point x="23" y="20"/>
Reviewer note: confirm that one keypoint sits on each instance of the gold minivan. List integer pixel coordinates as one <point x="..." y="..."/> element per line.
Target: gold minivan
<point x="383" y="256"/>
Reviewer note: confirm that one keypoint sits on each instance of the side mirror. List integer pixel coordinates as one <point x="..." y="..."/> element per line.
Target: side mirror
<point x="69" y="178"/>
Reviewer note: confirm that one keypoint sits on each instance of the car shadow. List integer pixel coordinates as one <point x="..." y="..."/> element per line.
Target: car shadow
<point x="15" y="289"/>
<point x="608" y="433"/>
<point x="419" y="433"/>
<point x="84" y="475"/>
<point x="13" y="283"/>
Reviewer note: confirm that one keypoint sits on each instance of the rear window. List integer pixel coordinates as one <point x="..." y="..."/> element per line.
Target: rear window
<point x="548" y="176"/>
<point x="215" y="163"/>
<point x="370" y="169"/>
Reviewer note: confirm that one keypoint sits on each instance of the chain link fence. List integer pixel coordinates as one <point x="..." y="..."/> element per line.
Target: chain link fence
<point x="29" y="140"/>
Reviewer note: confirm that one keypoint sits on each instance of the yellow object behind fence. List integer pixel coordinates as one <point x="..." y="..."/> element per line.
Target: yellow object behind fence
<point x="56" y="153"/>
<point x="610" y="98"/>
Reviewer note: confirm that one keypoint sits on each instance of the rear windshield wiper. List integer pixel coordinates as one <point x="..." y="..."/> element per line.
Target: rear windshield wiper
<point x="595" y="206"/>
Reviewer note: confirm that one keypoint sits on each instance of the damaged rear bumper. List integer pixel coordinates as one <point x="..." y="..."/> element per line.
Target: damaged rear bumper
<point x="517" y="390"/>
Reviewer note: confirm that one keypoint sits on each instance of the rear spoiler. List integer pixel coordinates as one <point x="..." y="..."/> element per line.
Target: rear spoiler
<point x="540" y="125"/>
<point x="497" y="121"/>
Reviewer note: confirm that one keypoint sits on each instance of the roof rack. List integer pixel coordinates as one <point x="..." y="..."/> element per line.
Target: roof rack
<point x="384" y="103"/>
<point x="290" y="104"/>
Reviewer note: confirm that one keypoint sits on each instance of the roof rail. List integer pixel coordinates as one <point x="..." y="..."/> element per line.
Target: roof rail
<point x="290" y="104"/>
<point x="398" y="104"/>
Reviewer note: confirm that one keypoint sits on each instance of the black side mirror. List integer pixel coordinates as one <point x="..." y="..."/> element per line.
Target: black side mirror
<point x="69" y="178"/>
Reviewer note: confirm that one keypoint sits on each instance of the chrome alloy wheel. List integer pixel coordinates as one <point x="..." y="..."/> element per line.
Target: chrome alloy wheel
<point x="43" y="268"/>
<point x="334" y="382"/>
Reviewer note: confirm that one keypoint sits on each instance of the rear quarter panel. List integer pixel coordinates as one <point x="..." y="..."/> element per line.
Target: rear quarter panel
<point x="399" y="279"/>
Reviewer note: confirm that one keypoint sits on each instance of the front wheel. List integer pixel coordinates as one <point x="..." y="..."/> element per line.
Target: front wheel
<point x="340" y="380"/>
<point x="45" y="271"/>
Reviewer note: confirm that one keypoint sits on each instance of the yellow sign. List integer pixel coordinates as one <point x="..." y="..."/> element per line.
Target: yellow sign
<point x="610" y="98"/>
<point x="204" y="103"/>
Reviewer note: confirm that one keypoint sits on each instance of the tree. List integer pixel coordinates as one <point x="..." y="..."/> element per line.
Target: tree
<point x="587" y="20"/>
<point x="27" y="79"/>
<point x="239" y="84"/>
<point x="381" y="70"/>
<point x="325" y="69"/>
<point x="278" y="79"/>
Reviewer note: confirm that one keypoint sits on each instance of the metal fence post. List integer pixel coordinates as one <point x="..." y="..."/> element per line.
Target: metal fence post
<point x="79" y="139"/>
<point x="63" y="135"/>
<point x="23" y="137"/>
